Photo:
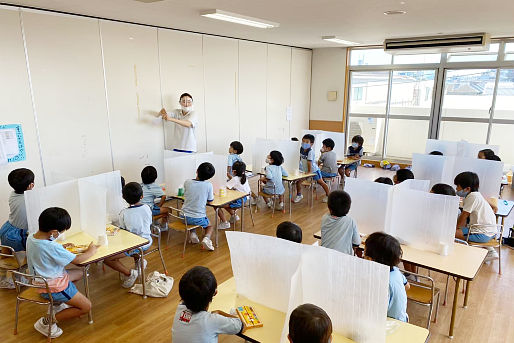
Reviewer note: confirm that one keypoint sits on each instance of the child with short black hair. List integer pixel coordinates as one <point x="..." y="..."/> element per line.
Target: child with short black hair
<point x="198" y="193"/>
<point x="273" y="177"/>
<point x="442" y="188"/>
<point x="239" y="182"/>
<point x="48" y="259"/>
<point x="289" y="231"/>
<point x="402" y="175"/>
<point x="137" y="218"/>
<point x="477" y="209"/>
<point x="338" y="231"/>
<point x="385" y="180"/>
<point x="486" y="154"/>
<point x="308" y="166"/>
<point x="328" y="159"/>
<point x="14" y="232"/>
<point x="355" y="151"/>
<point x="309" y="323"/>
<point x="152" y="191"/>
<point x="193" y="323"/>
<point x="385" y="249"/>
<point x="436" y="153"/>
<point x="234" y="151"/>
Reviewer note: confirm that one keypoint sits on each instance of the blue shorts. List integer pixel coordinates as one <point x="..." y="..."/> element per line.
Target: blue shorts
<point x="352" y="166"/>
<point x="237" y="203"/>
<point x="317" y="175"/>
<point x="203" y="222"/>
<point x="63" y="296"/>
<point x="156" y="210"/>
<point x="328" y="175"/>
<point x="13" y="237"/>
<point x="476" y="237"/>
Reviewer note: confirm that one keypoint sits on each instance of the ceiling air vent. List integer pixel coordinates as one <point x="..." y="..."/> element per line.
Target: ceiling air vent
<point x="447" y="43"/>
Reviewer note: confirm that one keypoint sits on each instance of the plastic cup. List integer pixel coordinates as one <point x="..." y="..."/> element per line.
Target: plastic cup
<point x="180" y="192"/>
<point x="102" y="240"/>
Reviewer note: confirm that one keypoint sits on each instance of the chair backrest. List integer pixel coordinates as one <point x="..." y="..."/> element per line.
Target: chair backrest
<point x="8" y="258"/>
<point x="486" y="229"/>
<point x="460" y="241"/>
<point x="429" y="281"/>
<point x="23" y="281"/>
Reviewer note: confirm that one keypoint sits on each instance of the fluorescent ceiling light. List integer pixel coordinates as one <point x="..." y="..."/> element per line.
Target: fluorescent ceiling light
<point x="334" y="39"/>
<point x="239" y="19"/>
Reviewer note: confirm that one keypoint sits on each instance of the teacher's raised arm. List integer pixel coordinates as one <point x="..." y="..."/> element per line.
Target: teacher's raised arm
<point x="183" y="122"/>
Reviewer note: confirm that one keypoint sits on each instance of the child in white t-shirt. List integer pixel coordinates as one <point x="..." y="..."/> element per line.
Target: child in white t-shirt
<point x="193" y="323"/>
<point x="239" y="182"/>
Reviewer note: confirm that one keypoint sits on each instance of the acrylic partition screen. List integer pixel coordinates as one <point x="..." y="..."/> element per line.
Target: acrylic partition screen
<point x="320" y="136"/>
<point x="290" y="151"/>
<point x="471" y="149"/>
<point x="434" y="168"/>
<point x="489" y="173"/>
<point x="111" y="182"/>
<point x="263" y="267"/>
<point x="423" y="220"/>
<point x="415" y="184"/>
<point x="353" y="292"/>
<point x="460" y="148"/>
<point x="84" y="202"/>
<point x="369" y="204"/>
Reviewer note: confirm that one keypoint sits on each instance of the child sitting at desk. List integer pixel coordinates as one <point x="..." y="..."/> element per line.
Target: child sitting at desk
<point x="48" y="259"/>
<point x="273" y="178"/>
<point x="152" y="191"/>
<point x="383" y="248"/>
<point x="477" y="209"/>
<point x="197" y="194"/>
<point x="239" y="183"/>
<point x="402" y="175"/>
<point x="338" y="231"/>
<point x="308" y="323"/>
<point x="193" y="323"/>
<point x="14" y="232"/>
<point x="355" y="151"/>
<point x="234" y="150"/>
<point x="328" y="159"/>
<point x="289" y="231"/>
<point x="308" y="166"/>
<point x="385" y="180"/>
<point x="443" y="188"/>
<point x="137" y="218"/>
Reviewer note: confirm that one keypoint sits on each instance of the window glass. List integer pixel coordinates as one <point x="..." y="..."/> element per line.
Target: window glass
<point x="469" y="131"/>
<point x="416" y="58"/>
<point x="362" y="57"/>
<point x="411" y="92"/>
<point x="369" y="92"/>
<point x="501" y="134"/>
<point x="504" y="107"/>
<point x="475" y="56"/>
<point x="372" y="130"/>
<point x="405" y="137"/>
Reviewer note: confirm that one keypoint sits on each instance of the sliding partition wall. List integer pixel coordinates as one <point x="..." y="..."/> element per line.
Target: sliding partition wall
<point x="396" y="102"/>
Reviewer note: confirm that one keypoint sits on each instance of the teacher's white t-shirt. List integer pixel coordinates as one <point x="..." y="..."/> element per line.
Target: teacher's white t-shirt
<point x="178" y="136"/>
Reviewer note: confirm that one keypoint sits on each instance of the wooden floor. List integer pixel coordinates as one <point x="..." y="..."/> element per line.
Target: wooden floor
<point x="123" y="317"/>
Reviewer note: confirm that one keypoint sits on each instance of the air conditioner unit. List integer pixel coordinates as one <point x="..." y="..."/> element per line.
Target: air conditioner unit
<point x="446" y="43"/>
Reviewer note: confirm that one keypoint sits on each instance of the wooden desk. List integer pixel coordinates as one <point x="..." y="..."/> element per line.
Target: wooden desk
<point x="347" y="161"/>
<point x="123" y="241"/>
<point x="463" y="263"/>
<point x="217" y="203"/>
<point x="273" y="320"/>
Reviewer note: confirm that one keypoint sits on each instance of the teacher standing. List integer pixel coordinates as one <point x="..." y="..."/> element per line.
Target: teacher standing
<point x="182" y="133"/>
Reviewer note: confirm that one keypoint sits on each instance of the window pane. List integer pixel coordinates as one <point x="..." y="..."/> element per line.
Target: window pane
<point x="501" y="134"/>
<point x="369" y="92"/>
<point x="362" y="57"/>
<point x="504" y="107"/>
<point x="411" y="92"/>
<point x="372" y="130"/>
<point x="405" y="137"/>
<point x="468" y="93"/>
<point x="477" y="56"/>
<point x="456" y="131"/>
<point x="416" y="58"/>
<point x="509" y="51"/>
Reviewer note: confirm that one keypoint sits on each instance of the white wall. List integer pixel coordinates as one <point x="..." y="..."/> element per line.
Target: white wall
<point x="97" y="86"/>
<point x="328" y="74"/>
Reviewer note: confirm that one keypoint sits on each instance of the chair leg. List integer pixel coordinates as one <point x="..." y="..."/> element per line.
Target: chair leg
<point x="437" y="307"/>
<point x="251" y="214"/>
<point x="500" y="258"/>
<point x="272" y="206"/>
<point x="446" y="290"/>
<point x="186" y="233"/>
<point x="162" y="258"/>
<point x="16" y="317"/>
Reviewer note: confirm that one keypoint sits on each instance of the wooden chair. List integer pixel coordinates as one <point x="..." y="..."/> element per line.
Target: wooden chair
<point x="9" y="261"/>
<point x="311" y="185"/>
<point x="180" y="224"/>
<point x="27" y="291"/>
<point x="156" y="233"/>
<point x="494" y="242"/>
<point x="334" y="180"/>
<point x="246" y="204"/>
<point x="424" y="293"/>
<point x="267" y="196"/>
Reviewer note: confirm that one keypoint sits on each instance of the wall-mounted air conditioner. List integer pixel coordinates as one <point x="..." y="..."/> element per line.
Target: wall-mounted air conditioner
<point x="446" y="43"/>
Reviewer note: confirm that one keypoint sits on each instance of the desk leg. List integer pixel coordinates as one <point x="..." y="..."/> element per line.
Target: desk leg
<point x="142" y="271"/>
<point x="454" y="308"/>
<point x="242" y="214"/>
<point x="290" y="198"/>
<point x="216" y="224"/>
<point x="466" y="295"/>
<point x="86" y="289"/>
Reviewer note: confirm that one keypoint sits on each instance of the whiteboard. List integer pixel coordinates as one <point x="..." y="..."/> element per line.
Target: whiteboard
<point x="133" y="92"/>
<point x="278" y="91"/>
<point x="67" y="78"/>
<point x="15" y="102"/>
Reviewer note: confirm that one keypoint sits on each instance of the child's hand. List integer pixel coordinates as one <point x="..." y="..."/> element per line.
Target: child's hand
<point x="92" y="248"/>
<point x="67" y="245"/>
<point x="164" y="114"/>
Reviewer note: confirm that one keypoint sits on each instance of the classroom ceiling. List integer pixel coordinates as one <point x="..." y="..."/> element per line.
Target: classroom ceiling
<point x="303" y="22"/>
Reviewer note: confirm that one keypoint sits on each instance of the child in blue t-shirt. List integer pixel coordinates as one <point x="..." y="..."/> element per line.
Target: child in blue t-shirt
<point x="234" y="151"/>
<point x="273" y="177"/>
<point x="383" y="248"/>
<point x="308" y="165"/>
<point x="48" y="259"/>
<point x="197" y="194"/>
<point x="355" y="151"/>
<point x="152" y="191"/>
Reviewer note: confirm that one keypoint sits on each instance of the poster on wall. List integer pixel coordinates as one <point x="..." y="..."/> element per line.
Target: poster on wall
<point x="12" y="143"/>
